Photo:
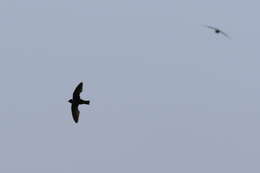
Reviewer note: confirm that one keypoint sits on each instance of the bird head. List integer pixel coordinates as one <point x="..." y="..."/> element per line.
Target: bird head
<point x="70" y="101"/>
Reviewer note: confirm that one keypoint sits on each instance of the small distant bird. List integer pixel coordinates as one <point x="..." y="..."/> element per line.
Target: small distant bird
<point x="217" y="31"/>
<point x="76" y="101"/>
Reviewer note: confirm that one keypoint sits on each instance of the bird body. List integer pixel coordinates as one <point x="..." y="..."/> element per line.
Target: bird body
<point x="76" y="101"/>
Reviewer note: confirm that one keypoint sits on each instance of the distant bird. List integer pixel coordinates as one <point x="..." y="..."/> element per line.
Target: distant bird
<point x="217" y="31"/>
<point x="76" y="101"/>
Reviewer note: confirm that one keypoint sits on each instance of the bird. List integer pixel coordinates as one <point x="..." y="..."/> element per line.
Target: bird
<point x="217" y="31"/>
<point x="76" y="101"/>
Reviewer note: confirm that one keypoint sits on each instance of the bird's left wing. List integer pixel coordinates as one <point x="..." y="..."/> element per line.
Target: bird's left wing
<point x="75" y="112"/>
<point x="211" y="27"/>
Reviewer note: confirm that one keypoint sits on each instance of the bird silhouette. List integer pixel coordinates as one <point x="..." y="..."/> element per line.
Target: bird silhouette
<point x="76" y="101"/>
<point x="217" y="31"/>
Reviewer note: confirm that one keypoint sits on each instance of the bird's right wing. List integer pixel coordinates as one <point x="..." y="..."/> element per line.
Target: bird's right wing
<point x="75" y="112"/>
<point x="225" y="34"/>
<point x="77" y="91"/>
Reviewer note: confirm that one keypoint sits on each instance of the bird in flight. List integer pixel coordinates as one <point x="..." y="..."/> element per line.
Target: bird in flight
<point x="76" y="101"/>
<point x="217" y="31"/>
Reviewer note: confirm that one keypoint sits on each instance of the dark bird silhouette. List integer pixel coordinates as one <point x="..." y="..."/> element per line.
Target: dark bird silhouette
<point x="217" y="31"/>
<point x="76" y="101"/>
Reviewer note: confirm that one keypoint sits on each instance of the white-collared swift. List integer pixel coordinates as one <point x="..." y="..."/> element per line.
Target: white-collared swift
<point x="217" y="31"/>
<point x="76" y="101"/>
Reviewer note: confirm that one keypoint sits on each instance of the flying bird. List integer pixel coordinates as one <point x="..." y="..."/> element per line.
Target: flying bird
<point x="76" y="101"/>
<point x="217" y="31"/>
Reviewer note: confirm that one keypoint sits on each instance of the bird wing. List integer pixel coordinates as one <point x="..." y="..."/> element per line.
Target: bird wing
<point x="75" y="112"/>
<point x="211" y="27"/>
<point x="77" y="91"/>
<point x="225" y="34"/>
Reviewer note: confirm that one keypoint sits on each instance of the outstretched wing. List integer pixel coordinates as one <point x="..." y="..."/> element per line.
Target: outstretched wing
<point x="225" y="34"/>
<point x="77" y="91"/>
<point x="211" y="27"/>
<point x="75" y="112"/>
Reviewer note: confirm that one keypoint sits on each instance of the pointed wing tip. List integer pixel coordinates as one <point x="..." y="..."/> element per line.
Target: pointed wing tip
<point x="76" y="119"/>
<point x="207" y="26"/>
<point x="226" y="35"/>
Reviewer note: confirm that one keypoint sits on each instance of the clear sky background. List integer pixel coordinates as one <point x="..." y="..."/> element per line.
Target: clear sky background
<point x="167" y="95"/>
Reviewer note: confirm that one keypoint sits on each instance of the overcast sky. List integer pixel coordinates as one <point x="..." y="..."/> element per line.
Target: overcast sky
<point x="167" y="95"/>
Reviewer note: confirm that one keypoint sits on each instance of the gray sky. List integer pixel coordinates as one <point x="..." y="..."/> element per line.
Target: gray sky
<point x="167" y="95"/>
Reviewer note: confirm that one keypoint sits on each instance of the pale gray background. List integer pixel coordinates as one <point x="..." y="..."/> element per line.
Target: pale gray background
<point x="167" y="95"/>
